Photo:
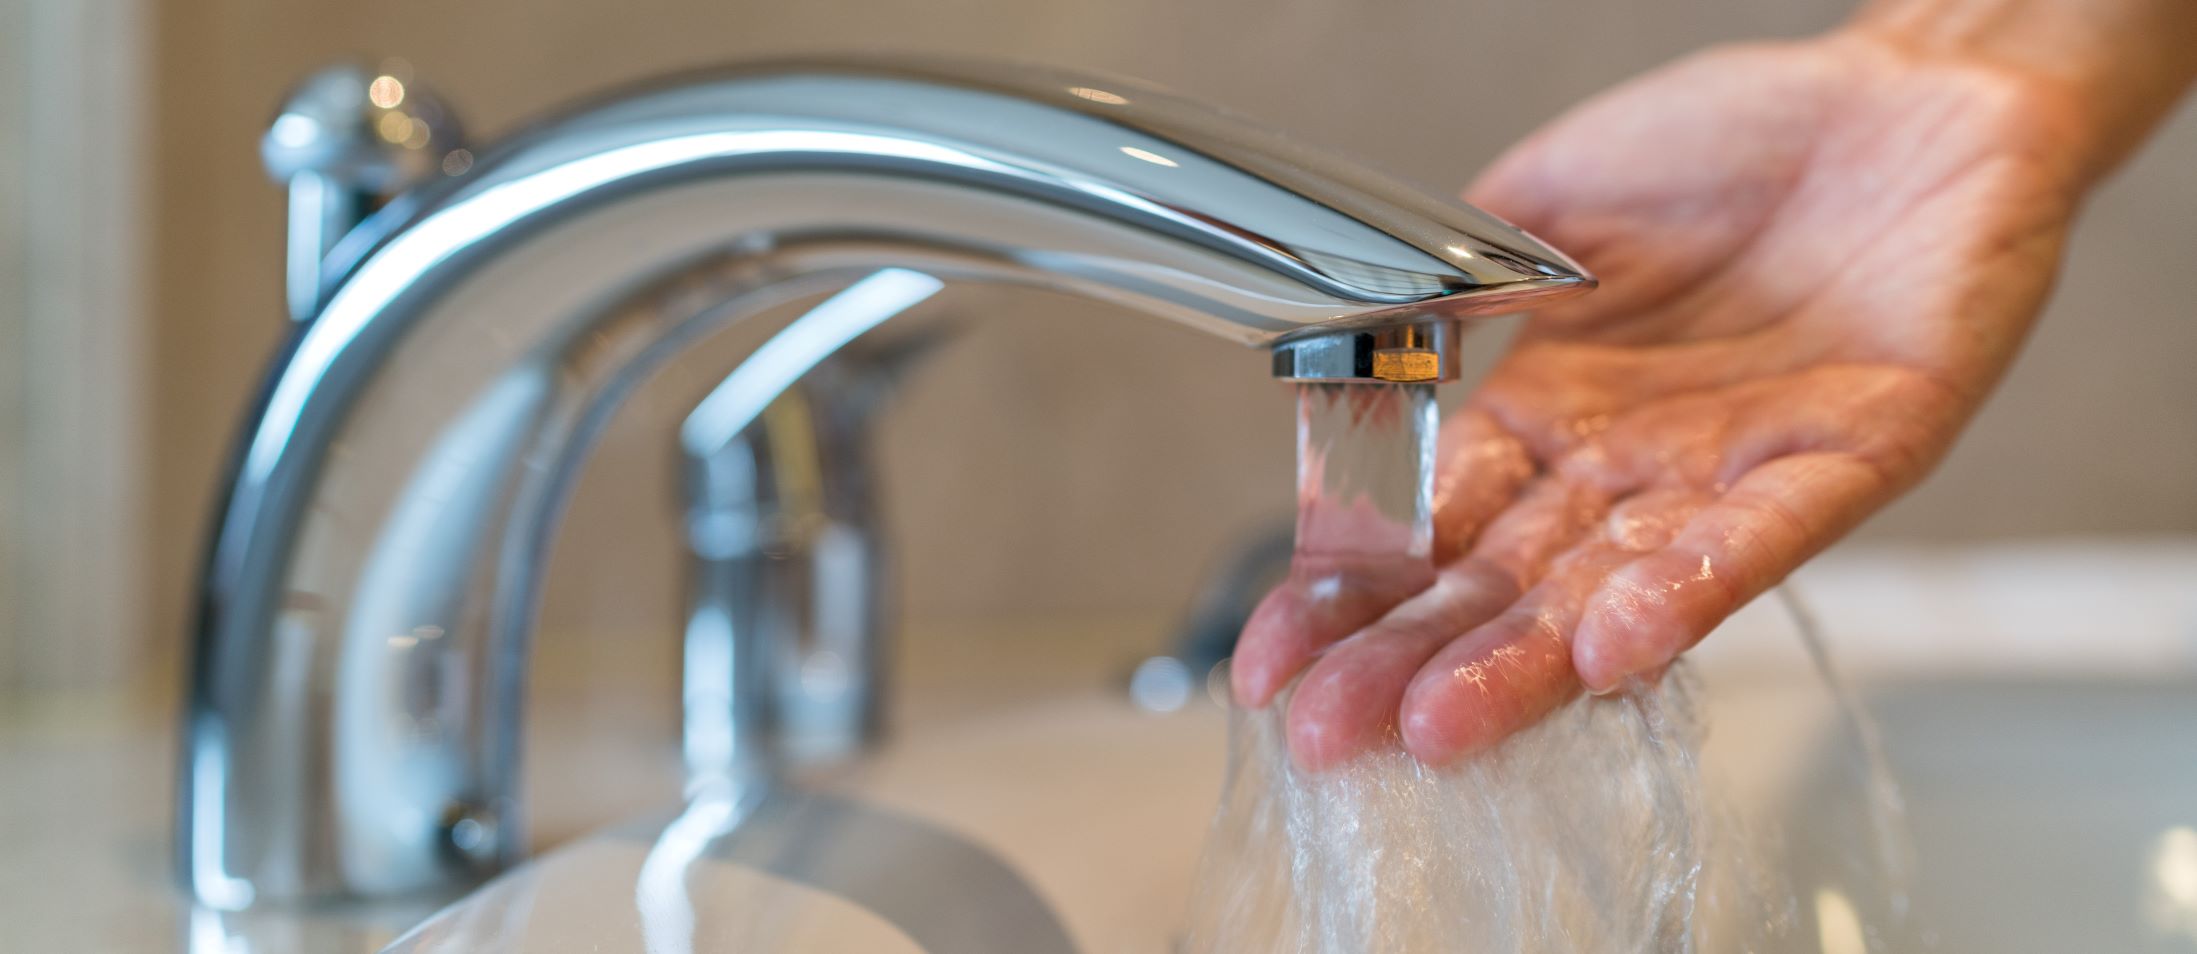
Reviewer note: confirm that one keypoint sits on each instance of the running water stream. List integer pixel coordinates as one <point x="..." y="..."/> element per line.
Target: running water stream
<point x="1591" y="832"/>
<point x="1365" y="494"/>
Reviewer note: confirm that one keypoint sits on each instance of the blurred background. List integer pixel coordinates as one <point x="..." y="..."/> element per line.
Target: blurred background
<point x="141" y="294"/>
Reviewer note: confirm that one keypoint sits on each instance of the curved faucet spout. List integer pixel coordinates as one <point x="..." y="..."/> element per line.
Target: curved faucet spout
<point x="369" y="594"/>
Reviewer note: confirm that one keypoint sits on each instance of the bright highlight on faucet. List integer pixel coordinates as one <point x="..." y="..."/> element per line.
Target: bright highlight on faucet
<point x="1149" y="156"/>
<point x="738" y="400"/>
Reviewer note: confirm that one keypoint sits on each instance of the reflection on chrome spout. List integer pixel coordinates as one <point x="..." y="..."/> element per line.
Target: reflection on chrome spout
<point x="371" y="587"/>
<point x="660" y="892"/>
<point x="737" y="401"/>
<point x="784" y="548"/>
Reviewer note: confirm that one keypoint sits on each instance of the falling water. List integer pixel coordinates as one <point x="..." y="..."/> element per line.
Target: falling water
<point x="1590" y="832"/>
<point x="1365" y="494"/>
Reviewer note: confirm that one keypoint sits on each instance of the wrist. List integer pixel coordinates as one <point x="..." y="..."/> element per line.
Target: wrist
<point x="2106" y="71"/>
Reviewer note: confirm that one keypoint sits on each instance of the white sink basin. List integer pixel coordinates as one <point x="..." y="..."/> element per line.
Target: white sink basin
<point x="2040" y="811"/>
<point x="2050" y="816"/>
<point x="2051" y="785"/>
<point x="1072" y="829"/>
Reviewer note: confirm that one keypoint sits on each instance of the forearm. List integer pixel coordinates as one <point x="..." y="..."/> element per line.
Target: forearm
<point x="2122" y="63"/>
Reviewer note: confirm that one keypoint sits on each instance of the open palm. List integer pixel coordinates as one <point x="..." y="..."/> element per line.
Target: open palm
<point x="1816" y="260"/>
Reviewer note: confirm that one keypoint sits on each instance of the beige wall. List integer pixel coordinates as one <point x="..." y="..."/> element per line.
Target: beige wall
<point x="71" y="338"/>
<point x="1050" y="462"/>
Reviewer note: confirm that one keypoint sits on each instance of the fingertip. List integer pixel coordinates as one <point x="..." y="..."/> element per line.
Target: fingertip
<point x="1248" y="682"/>
<point x="1256" y="675"/>
<point x="1445" y="715"/>
<point x="1346" y="702"/>
<point x="1317" y="740"/>
<point x="1436" y="737"/>
<point x="1622" y="635"/>
<point x="1482" y="692"/>
<point x="1268" y="651"/>
<point x="1599" y="670"/>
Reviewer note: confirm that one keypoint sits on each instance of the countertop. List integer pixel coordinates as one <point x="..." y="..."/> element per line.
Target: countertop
<point x="85" y="782"/>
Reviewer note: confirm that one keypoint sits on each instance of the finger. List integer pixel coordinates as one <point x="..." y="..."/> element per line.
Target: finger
<point x="1558" y="394"/>
<point x="1327" y="598"/>
<point x="1507" y="673"/>
<point x="1776" y="516"/>
<point x="1321" y="601"/>
<point x="1482" y="468"/>
<point x="1549" y="518"/>
<point x="1347" y="702"/>
<point x="1649" y="519"/>
<point x="1351" y="564"/>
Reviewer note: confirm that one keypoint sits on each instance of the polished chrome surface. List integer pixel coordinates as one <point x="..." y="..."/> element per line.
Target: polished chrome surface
<point x="788" y="574"/>
<point x="368" y="597"/>
<point x="347" y="139"/>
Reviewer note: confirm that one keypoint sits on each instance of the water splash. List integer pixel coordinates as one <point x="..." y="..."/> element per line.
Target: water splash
<point x="1596" y="830"/>
<point x="1585" y="833"/>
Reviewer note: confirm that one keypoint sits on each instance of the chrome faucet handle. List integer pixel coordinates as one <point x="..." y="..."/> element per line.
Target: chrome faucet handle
<point x="788" y="580"/>
<point x="347" y="139"/>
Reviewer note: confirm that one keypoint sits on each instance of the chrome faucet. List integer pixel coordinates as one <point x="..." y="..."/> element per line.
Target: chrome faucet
<point x="370" y="589"/>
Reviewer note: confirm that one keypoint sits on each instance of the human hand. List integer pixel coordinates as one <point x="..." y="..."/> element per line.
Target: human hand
<point x="1816" y="259"/>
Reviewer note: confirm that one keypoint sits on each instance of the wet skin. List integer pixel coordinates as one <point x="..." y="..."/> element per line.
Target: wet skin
<point x="1816" y="258"/>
